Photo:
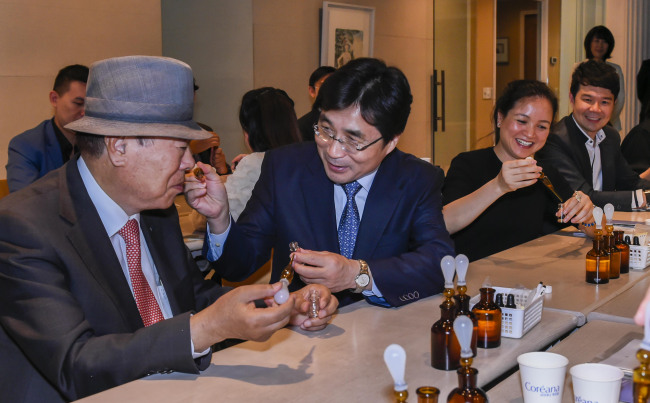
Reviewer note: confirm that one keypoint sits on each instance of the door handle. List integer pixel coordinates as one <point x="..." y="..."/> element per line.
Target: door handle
<point x="434" y="103"/>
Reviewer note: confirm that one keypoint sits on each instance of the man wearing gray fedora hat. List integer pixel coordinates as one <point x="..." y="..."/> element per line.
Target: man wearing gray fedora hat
<point x="96" y="286"/>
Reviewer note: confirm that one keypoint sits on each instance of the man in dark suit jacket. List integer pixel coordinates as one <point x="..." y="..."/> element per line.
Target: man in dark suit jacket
<point x="82" y="307"/>
<point x="585" y="150"/>
<point x="308" y="120"/>
<point x="49" y="145"/>
<point x="300" y="197"/>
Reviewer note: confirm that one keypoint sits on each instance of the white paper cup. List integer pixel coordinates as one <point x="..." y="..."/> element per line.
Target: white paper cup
<point x="542" y="376"/>
<point x="596" y="383"/>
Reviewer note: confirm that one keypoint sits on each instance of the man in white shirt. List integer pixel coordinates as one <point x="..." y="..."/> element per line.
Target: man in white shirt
<point x="585" y="150"/>
<point x="96" y="286"/>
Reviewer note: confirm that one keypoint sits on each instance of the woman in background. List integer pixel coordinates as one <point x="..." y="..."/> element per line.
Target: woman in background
<point x="493" y="198"/>
<point x="268" y="119"/>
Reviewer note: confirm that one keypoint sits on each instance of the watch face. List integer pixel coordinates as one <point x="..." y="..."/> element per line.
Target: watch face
<point x="362" y="280"/>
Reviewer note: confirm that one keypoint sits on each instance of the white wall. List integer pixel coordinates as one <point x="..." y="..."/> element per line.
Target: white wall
<point x="39" y="37"/>
<point x="216" y="39"/>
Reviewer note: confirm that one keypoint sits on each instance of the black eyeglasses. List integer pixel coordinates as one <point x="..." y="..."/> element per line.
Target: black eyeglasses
<point x="349" y="146"/>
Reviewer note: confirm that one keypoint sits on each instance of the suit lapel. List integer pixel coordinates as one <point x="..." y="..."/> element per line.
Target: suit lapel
<point x="385" y="193"/>
<point x="578" y="139"/>
<point x="318" y="193"/>
<point x="87" y="235"/>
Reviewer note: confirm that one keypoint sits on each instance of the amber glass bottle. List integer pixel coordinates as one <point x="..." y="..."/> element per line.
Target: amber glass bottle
<point x="641" y="377"/>
<point x="488" y="315"/>
<point x="445" y="350"/>
<point x="625" y="251"/>
<point x="614" y="255"/>
<point x="467" y="391"/>
<point x="597" y="263"/>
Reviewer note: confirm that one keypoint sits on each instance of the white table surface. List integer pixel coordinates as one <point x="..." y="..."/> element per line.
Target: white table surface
<point x="557" y="260"/>
<point x="591" y="343"/>
<point x="344" y="362"/>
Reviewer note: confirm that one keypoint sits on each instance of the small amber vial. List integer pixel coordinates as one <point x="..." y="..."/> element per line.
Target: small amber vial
<point x="427" y="394"/>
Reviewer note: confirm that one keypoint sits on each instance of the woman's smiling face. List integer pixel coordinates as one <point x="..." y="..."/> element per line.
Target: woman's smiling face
<point x="524" y="129"/>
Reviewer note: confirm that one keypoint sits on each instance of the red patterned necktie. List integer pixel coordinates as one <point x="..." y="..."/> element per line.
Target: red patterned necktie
<point x="144" y="298"/>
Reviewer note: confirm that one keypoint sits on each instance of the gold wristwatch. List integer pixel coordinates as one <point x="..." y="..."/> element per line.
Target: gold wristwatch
<point x="363" y="278"/>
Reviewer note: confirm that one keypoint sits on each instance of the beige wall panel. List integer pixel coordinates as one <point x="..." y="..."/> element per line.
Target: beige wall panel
<point x="283" y="62"/>
<point x="38" y="37"/>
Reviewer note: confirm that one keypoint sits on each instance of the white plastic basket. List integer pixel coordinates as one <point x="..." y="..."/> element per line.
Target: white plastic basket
<point x="639" y="257"/>
<point x="517" y="322"/>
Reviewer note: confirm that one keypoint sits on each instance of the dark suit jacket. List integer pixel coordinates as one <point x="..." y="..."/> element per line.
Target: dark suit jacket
<point x="70" y="325"/>
<point x="402" y="234"/>
<point x="565" y="150"/>
<point x="32" y="154"/>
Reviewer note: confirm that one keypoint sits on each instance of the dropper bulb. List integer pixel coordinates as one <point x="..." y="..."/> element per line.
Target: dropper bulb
<point x="609" y="212"/>
<point x="463" y="327"/>
<point x="462" y="263"/>
<point x="448" y="265"/>
<point x="598" y="216"/>
<point x="395" y="358"/>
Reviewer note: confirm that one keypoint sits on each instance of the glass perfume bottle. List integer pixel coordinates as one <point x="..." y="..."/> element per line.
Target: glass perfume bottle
<point x="597" y="259"/>
<point x="395" y="359"/>
<point x="488" y="314"/>
<point x="641" y="374"/>
<point x="286" y="276"/>
<point x="445" y="350"/>
<point x="427" y="394"/>
<point x="467" y="391"/>
<point x="625" y="251"/>
<point x="462" y="299"/>
<point x="610" y="243"/>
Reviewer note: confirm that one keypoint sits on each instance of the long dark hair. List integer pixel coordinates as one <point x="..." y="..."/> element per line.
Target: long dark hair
<point x="517" y="90"/>
<point x="267" y="115"/>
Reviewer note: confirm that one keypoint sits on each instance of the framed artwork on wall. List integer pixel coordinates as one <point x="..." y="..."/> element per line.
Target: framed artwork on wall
<point x="502" y="50"/>
<point x="347" y="33"/>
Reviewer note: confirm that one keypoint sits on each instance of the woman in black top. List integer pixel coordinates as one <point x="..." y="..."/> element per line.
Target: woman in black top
<point x="492" y="197"/>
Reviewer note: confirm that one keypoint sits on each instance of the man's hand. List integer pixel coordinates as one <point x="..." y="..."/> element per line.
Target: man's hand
<point x="234" y="315"/>
<point x="329" y="269"/>
<point x="208" y="197"/>
<point x="327" y="304"/>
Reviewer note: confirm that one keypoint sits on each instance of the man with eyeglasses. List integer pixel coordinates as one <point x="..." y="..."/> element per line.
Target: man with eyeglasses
<point x="368" y="217"/>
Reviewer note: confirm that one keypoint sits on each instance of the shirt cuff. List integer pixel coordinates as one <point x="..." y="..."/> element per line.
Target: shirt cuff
<point x="637" y="198"/>
<point x="200" y="354"/>
<point x="373" y="291"/>
<point x="214" y="242"/>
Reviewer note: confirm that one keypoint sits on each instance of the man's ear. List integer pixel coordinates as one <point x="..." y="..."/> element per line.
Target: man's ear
<point x="54" y="98"/>
<point x="116" y="149"/>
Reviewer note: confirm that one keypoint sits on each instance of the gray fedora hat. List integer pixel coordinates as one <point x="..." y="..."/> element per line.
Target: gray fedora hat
<point x="141" y="96"/>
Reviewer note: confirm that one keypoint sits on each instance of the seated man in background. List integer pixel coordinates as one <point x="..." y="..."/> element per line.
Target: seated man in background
<point x="585" y="150"/>
<point x="96" y="286"/>
<point x="309" y="119"/>
<point x="49" y="145"/>
<point x="368" y="217"/>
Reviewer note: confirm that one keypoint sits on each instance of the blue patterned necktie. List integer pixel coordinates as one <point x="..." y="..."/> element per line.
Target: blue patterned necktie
<point x="349" y="224"/>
